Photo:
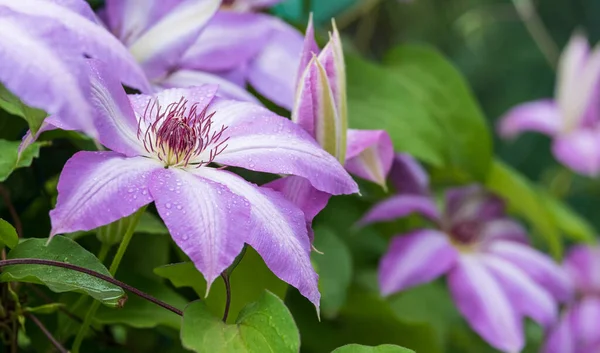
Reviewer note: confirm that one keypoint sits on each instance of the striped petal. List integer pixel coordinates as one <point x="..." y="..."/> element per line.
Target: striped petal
<point x="369" y="155"/>
<point x="401" y="206"/>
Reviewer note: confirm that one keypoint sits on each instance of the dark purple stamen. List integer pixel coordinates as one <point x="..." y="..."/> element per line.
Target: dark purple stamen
<point x="176" y="134"/>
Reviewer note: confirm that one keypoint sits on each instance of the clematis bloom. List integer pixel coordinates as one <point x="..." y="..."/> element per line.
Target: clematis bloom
<point x="320" y="108"/>
<point x="577" y="330"/>
<point x="572" y="118"/>
<point x="494" y="277"/>
<point x="164" y="150"/>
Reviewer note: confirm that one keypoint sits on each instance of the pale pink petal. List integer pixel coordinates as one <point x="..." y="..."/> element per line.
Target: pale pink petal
<point x="97" y="188"/>
<point x="541" y="116"/>
<point x="484" y="304"/>
<point x="401" y="206"/>
<point x="369" y="154"/>
<point x="277" y="232"/>
<point x="415" y="258"/>
<point x="205" y="219"/>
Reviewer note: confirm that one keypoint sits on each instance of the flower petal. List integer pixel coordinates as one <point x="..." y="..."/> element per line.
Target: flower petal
<point x="541" y="116"/>
<point x="262" y="141"/>
<point x="188" y="78"/>
<point x="246" y="5"/>
<point x="502" y="229"/>
<point x="484" y="305"/>
<point x="560" y="339"/>
<point x="472" y="203"/>
<point x="273" y="71"/>
<point x="229" y="40"/>
<point x="160" y="48"/>
<point x="401" y="206"/>
<point x="415" y="258"/>
<point x="87" y="37"/>
<point x="309" y="48"/>
<point x="113" y="114"/>
<point x="580" y="151"/>
<point x="301" y="193"/>
<point x="278" y="232"/>
<point x="538" y="266"/>
<point x="369" y="155"/>
<point x="583" y="265"/>
<point x="97" y="188"/>
<point x="332" y="58"/>
<point x="584" y="319"/>
<point x="527" y="296"/>
<point x="408" y="176"/>
<point x="205" y="219"/>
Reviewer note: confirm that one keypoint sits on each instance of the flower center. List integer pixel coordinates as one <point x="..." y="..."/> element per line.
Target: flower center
<point x="179" y="135"/>
<point x="465" y="232"/>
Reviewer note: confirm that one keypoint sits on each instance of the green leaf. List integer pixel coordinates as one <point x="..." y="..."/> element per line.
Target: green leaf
<point x="425" y="105"/>
<point x="9" y="156"/>
<point x="523" y="198"/>
<point x="14" y="106"/>
<point x="334" y="267"/>
<point x="570" y="223"/>
<point x="385" y="348"/>
<point x="61" y="279"/>
<point x="263" y="326"/>
<point x="140" y="313"/>
<point x="8" y="235"/>
<point x="248" y="282"/>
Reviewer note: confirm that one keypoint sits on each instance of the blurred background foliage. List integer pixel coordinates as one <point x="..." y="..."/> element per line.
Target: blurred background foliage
<point x="437" y="74"/>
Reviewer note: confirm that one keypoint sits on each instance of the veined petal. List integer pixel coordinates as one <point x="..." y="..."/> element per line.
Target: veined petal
<point x="309" y="48"/>
<point x="87" y="37"/>
<point x="97" y="188"/>
<point x="113" y="115"/>
<point x="536" y="265"/>
<point x="301" y="193"/>
<point x="527" y="296"/>
<point x="273" y="71"/>
<point x="579" y="150"/>
<point x="369" y="155"/>
<point x="43" y="69"/>
<point x="484" y="305"/>
<point x="584" y="319"/>
<point x="415" y="258"/>
<point x="541" y="116"/>
<point x="408" y="176"/>
<point x="188" y="78"/>
<point x="128" y="19"/>
<point x="229" y="40"/>
<point x="401" y="206"/>
<point x="205" y="219"/>
<point x="583" y="265"/>
<point x="262" y="141"/>
<point x="560" y="338"/>
<point x="278" y="232"/>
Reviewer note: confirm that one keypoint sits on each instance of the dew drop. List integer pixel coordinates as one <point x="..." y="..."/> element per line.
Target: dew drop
<point x="168" y="205"/>
<point x="131" y="190"/>
<point x="179" y="207"/>
<point x="185" y="237"/>
<point x="144" y="192"/>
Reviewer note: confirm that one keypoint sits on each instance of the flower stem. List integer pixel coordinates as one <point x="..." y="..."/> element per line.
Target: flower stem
<point x="225" y="277"/>
<point x="47" y="333"/>
<point x="114" y="266"/>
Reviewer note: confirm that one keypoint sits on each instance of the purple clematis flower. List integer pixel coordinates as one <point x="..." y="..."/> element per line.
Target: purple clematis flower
<point x="193" y="42"/>
<point x="572" y="119"/>
<point x="320" y="108"/>
<point x="577" y="330"/>
<point x="164" y="148"/>
<point x="43" y="52"/>
<point x="494" y="277"/>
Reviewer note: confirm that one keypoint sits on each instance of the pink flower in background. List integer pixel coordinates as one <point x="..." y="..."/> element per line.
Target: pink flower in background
<point x="167" y="149"/>
<point x="572" y="118"/>
<point x="494" y="276"/>
<point x="577" y="330"/>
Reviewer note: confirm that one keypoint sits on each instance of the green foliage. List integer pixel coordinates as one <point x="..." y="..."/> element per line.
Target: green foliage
<point x="14" y="106"/>
<point x="426" y="107"/>
<point x="10" y="159"/>
<point x="60" y="279"/>
<point x="385" y="348"/>
<point x="248" y="282"/>
<point x="8" y="235"/>
<point x="263" y="326"/>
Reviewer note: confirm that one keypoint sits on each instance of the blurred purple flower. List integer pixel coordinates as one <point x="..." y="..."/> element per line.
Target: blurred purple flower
<point x="164" y="148"/>
<point x="494" y="277"/>
<point x="320" y="108"/>
<point x="577" y="330"/>
<point x="572" y="119"/>
<point x="192" y="42"/>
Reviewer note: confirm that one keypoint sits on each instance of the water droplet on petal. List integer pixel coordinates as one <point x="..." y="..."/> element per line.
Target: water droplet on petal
<point x="179" y="207"/>
<point x="185" y="237"/>
<point x="131" y="190"/>
<point x="168" y="205"/>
